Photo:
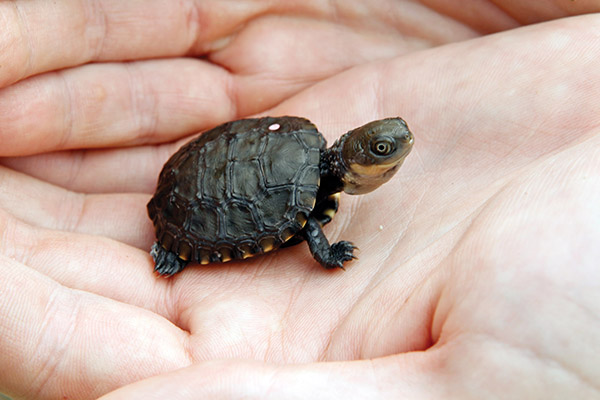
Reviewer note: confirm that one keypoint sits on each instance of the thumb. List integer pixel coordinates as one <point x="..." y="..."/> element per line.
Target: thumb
<point x="388" y="377"/>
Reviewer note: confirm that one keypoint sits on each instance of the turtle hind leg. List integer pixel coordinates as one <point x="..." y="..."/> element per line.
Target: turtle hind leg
<point x="329" y="256"/>
<point x="166" y="262"/>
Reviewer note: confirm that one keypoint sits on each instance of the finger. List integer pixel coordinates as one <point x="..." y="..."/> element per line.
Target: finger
<point x="422" y="375"/>
<point x="255" y="380"/>
<point x="63" y="343"/>
<point x="510" y="118"/>
<point x="321" y="48"/>
<point x="122" y="217"/>
<point x="104" y="105"/>
<point x="87" y="262"/>
<point x="119" y="170"/>
<point x="543" y="10"/>
<point x="103" y="31"/>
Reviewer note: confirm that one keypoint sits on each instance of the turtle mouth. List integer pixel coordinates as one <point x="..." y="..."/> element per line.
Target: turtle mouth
<point x="376" y="169"/>
<point x="361" y="179"/>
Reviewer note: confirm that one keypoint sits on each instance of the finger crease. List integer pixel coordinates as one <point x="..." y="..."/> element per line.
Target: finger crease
<point x="193" y="15"/>
<point x="98" y="20"/>
<point x="143" y="103"/>
<point x="26" y="35"/>
<point x="55" y="334"/>
<point x="67" y="130"/>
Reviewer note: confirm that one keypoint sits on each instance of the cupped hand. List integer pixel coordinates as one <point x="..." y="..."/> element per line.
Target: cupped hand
<point x="478" y="270"/>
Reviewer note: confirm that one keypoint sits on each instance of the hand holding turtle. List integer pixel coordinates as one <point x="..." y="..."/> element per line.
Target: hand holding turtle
<point x="478" y="266"/>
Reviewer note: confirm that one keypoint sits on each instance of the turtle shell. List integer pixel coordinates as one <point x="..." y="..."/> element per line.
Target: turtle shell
<point x="242" y="188"/>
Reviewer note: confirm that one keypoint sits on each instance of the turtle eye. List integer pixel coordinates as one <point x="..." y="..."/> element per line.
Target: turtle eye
<point x="383" y="146"/>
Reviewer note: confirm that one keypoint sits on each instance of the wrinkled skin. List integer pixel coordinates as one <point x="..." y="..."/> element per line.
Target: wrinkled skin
<point x="478" y="266"/>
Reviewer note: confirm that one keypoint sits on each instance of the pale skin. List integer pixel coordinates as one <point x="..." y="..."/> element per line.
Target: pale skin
<point x="478" y="269"/>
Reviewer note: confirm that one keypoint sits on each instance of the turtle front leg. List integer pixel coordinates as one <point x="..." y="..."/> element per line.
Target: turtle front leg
<point x="329" y="256"/>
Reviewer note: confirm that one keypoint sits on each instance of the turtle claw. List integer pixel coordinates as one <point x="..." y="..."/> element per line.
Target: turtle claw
<point x="166" y="263"/>
<point x="340" y="252"/>
<point x="329" y="256"/>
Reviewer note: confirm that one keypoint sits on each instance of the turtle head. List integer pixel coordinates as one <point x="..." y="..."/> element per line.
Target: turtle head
<point x="371" y="155"/>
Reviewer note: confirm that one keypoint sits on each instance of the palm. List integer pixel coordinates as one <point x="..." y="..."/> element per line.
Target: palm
<point x="441" y="246"/>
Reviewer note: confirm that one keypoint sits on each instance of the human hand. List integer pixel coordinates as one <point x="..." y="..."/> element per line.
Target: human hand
<point x="482" y="281"/>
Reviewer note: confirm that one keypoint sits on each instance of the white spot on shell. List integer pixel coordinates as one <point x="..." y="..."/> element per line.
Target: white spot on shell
<point x="274" y="127"/>
<point x="380" y="227"/>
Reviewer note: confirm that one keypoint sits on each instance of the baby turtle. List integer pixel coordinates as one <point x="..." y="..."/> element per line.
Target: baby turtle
<point x="251" y="186"/>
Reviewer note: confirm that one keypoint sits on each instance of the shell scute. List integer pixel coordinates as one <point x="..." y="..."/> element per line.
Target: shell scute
<point x="238" y="220"/>
<point x="246" y="179"/>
